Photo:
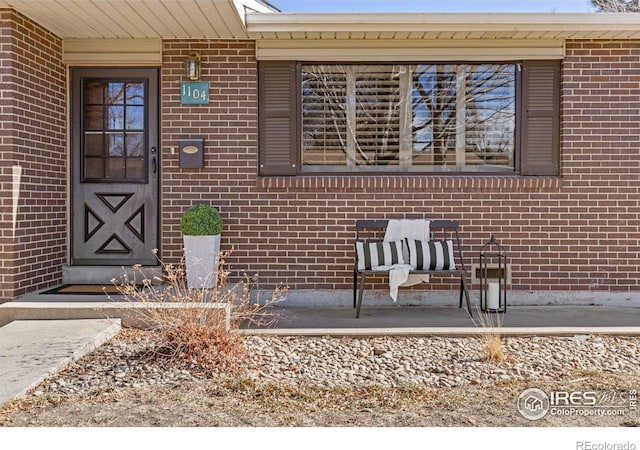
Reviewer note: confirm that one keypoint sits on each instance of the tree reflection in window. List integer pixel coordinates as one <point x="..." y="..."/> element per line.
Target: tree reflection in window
<point x="452" y="117"/>
<point x="114" y="131"/>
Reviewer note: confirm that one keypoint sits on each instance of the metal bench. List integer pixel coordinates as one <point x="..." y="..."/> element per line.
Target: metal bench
<point x="374" y="230"/>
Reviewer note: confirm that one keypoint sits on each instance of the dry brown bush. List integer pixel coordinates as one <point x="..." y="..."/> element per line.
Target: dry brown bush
<point x="197" y="328"/>
<point x="491" y="336"/>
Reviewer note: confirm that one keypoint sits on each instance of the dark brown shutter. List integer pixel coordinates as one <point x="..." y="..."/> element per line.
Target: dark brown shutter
<point x="540" y="139"/>
<point x="277" y="122"/>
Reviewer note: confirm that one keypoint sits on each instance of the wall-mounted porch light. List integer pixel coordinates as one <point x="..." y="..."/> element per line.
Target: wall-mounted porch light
<point x="192" y="66"/>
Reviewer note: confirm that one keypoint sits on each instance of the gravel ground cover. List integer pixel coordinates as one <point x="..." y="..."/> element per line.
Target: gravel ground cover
<point x="330" y="381"/>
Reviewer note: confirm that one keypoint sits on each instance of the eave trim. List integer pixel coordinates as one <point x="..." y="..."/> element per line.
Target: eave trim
<point x="408" y="50"/>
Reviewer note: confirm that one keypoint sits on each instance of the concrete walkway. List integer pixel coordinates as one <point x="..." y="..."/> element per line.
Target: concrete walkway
<point x="31" y="350"/>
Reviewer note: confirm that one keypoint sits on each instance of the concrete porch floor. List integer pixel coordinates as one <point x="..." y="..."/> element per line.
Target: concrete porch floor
<point x="450" y="320"/>
<point x="374" y="319"/>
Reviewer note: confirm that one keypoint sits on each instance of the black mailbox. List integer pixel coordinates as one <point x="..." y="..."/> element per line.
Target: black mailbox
<point x="191" y="153"/>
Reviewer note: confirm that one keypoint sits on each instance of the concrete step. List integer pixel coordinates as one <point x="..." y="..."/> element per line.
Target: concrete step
<point x="132" y="314"/>
<point x="32" y="350"/>
<point x="104" y="274"/>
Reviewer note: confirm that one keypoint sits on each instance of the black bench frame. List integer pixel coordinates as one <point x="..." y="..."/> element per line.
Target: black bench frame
<point x="374" y="230"/>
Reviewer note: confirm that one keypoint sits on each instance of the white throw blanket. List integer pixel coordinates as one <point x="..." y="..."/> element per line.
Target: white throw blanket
<point x="397" y="230"/>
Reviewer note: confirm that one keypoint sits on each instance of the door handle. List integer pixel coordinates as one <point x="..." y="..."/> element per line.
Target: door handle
<point x="154" y="165"/>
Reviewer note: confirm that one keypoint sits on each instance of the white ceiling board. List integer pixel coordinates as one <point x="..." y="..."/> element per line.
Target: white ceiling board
<point x="211" y="14"/>
<point x="125" y="17"/>
<point x="150" y="19"/>
<point x="177" y="11"/>
<point x="60" y="21"/>
<point x="158" y="27"/>
<point x="104" y="21"/>
<point x="231" y="18"/>
<point x="167" y="17"/>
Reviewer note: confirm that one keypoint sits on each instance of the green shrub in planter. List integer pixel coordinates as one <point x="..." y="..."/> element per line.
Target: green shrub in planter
<point x="201" y="220"/>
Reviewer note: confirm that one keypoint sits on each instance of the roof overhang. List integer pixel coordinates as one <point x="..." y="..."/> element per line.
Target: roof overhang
<point x="103" y="30"/>
<point x="141" y="19"/>
<point x="458" y="26"/>
<point x="258" y="19"/>
<point x="442" y="37"/>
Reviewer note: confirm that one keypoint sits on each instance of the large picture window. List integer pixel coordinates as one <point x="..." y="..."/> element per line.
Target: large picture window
<point x="467" y="118"/>
<point x="433" y="117"/>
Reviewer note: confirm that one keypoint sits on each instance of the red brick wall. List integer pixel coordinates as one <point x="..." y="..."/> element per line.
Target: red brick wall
<point x="601" y="154"/>
<point x="577" y="232"/>
<point x="228" y="124"/>
<point x="33" y="138"/>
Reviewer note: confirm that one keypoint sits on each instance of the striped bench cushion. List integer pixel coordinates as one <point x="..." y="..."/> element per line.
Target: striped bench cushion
<point x="378" y="253"/>
<point x="431" y="255"/>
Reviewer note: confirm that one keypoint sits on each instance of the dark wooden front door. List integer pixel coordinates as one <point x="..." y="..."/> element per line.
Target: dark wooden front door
<point x="115" y="166"/>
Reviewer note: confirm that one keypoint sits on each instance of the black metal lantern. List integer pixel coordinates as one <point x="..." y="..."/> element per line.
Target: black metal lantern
<point x="493" y="277"/>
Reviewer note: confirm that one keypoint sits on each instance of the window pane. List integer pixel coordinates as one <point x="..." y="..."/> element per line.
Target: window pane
<point x="135" y="117"/>
<point x="93" y="92"/>
<point x="434" y="114"/>
<point x="115" y="144"/>
<point x="490" y="115"/>
<point x="135" y="93"/>
<point x="135" y="142"/>
<point x="93" y="118"/>
<point x="377" y="123"/>
<point x="93" y="144"/>
<point x="115" y="119"/>
<point x="93" y="168"/>
<point x="116" y="93"/>
<point x="135" y="168"/>
<point x="114" y="168"/>
<point x="324" y="123"/>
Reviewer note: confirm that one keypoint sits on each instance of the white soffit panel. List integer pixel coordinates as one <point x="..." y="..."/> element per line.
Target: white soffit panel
<point x="140" y="19"/>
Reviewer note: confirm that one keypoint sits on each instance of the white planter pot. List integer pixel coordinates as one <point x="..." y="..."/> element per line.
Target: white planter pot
<point x="201" y="257"/>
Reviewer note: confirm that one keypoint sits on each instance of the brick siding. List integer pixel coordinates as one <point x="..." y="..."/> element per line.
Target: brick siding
<point x="33" y="138"/>
<point x="577" y="232"/>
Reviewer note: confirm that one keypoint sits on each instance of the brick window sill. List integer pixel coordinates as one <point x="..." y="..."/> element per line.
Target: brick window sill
<point x="390" y="183"/>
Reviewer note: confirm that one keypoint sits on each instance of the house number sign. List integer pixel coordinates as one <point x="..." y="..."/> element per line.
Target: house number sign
<point x="194" y="93"/>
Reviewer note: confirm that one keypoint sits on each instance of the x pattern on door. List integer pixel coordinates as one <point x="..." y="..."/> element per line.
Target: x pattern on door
<point x="114" y="244"/>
